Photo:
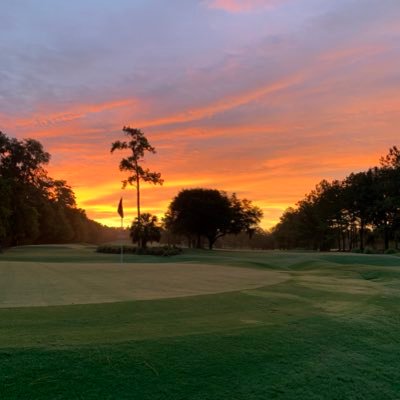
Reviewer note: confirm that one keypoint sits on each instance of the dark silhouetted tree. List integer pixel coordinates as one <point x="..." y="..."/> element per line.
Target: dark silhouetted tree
<point x="35" y="208"/>
<point x="359" y="199"/>
<point x="209" y="213"/>
<point x="137" y="144"/>
<point x="146" y="230"/>
<point x="391" y="160"/>
<point x="349" y="213"/>
<point x="245" y="217"/>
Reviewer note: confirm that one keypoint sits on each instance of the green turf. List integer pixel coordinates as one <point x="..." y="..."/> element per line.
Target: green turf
<point x="263" y="259"/>
<point x="331" y="332"/>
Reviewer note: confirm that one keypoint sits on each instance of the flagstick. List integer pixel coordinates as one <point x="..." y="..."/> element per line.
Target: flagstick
<point x="122" y="240"/>
<point x="121" y="214"/>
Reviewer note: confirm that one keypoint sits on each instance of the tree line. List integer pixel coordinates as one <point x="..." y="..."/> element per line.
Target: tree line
<point x="361" y="210"/>
<point x="35" y="208"/>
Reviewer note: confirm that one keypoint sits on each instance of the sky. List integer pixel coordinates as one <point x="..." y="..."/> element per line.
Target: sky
<point x="263" y="98"/>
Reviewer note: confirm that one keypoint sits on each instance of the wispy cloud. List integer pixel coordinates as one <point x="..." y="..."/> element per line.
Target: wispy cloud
<point x="238" y="6"/>
<point x="271" y="104"/>
<point x="225" y="104"/>
<point x="76" y="112"/>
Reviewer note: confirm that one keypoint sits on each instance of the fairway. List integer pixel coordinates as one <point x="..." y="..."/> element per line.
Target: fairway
<point x="25" y="284"/>
<point x="237" y="325"/>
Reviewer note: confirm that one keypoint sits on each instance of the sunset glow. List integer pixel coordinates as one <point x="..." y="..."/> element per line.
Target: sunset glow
<point x="263" y="98"/>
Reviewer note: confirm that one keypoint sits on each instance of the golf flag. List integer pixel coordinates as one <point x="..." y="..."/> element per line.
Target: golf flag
<point x="120" y="209"/>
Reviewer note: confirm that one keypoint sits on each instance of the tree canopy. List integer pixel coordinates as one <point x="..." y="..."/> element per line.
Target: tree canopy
<point x="210" y="214"/>
<point x="137" y="145"/>
<point x="362" y="209"/>
<point x="34" y="208"/>
<point x="146" y="230"/>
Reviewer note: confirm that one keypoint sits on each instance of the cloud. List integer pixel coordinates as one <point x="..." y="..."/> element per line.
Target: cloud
<point x="78" y="111"/>
<point x="238" y="6"/>
<point x="271" y="104"/>
<point x="225" y="104"/>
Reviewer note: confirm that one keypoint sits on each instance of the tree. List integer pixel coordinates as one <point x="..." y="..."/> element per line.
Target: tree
<point x="245" y="216"/>
<point x="145" y="230"/>
<point x="286" y="231"/>
<point x="21" y="169"/>
<point x="209" y="213"/>
<point x="34" y="208"/>
<point x="386" y="206"/>
<point x="347" y="213"/>
<point x="315" y="222"/>
<point x="5" y="208"/>
<point x="359" y="198"/>
<point x="138" y="145"/>
<point x="392" y="159"/>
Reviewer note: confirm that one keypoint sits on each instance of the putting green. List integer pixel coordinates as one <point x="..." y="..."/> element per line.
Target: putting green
<point x="26" y="284"/>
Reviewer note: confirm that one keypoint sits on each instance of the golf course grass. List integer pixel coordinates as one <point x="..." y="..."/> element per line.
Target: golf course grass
<point x="329" y="330"/>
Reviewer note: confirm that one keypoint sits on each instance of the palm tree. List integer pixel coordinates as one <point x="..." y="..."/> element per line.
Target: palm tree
<point x="145" y="230"/>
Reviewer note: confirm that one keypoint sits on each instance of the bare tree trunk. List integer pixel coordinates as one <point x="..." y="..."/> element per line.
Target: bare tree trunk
<point x="198" y="244"/>
<point x="349" y="239"/>
<point x="138" y="198"/>
<point x="138" y="204"/>
<point x="339" y="241"/>
<point x="362" y="236"/>
<point x="386" y="235"/>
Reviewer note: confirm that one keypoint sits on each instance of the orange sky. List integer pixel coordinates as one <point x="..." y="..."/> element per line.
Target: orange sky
<point x="263" y="98"/>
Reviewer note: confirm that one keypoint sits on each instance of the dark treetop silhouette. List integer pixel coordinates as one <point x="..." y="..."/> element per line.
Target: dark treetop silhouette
<point x="146" y="230"/>
<point x="35" y="208"/>
<point x="363" y="209"/>
<point x="138" y="145"/>
<point x="211" y="214"/>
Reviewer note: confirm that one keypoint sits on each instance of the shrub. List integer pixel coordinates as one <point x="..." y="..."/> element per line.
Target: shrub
<point x="150" y="251"/>
<point x="390" y="251"/>
<point x="356" y="251"/>
<point x="369" y="250"/>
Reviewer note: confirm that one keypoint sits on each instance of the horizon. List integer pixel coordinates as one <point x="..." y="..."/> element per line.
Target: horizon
<point x="261" y="98"/>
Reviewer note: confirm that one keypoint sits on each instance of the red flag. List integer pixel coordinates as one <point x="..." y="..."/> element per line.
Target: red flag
<point x="120" y="209"/>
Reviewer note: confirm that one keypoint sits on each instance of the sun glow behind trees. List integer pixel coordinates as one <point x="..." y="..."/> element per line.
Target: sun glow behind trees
<point x="34" y="208"/>
<point x="258" y="109"/>
<point x="361" y="210"/>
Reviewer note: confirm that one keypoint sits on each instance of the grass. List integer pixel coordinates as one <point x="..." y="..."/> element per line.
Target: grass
<point x="332" y="331"/>
<point x="29" y="284"/>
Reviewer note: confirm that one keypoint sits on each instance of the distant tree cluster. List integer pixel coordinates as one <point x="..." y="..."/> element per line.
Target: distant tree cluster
<point x="35" y="208"/>
<point x="260" y="240"/>
<point x="361" y="210"/>
<point x="210" y="214"/>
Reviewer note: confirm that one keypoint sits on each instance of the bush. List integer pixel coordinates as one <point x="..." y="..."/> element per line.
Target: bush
<point x="390" y="251"/>
<point x="369" y="250"/>
<point x="149" y="251"/>
<point x="356" y="251"/>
